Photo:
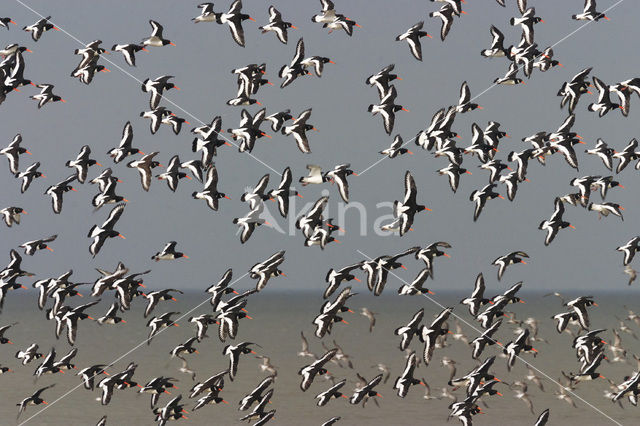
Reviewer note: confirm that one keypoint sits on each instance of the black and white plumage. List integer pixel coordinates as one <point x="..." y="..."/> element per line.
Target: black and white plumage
<point x="331" y="393"/>
<point x="144" y="167"/>
<point x="411" y="329"/>
<point x="295" y="69"/>
<point x="30" y="247"/>
<point x="174" y="121"/>
<point x="185" y="347"/>
<point x="336" y="277"/>
<point x="299" y="130"/>
<point x="29" y="354"/>
<point x="579" y="306"/>
<point x="108" y="194"/>
<point x="526" y="22"/>
<point x="404" y="382"/>
<point x="173" y="173"/>
<point x="604" y="209"/>
<point x="277" y="25"/>
<point x="416" y="286"/>
<point x="603" y="151"/>
<point x="157" y="87"/>
<point x="278" y="119"/>
<point x="210" y="191"/>
<point x="509" y="259"/>
<point x="589" y="12"/>
<point x="545" y="61"/>
<point x="328" y="13"/>
<point x="330" y="313"/>
<point x="256" y="394"/>
<point x="310" y="371"/>
<point x="82" y="163"/>
<point x="480" y="197"/>
<point x="129" y="51"/>
<point x="555" y="223"/>
<point x="407" y="209"/>
<point x="464" y="103"/>
<point x="207" y="14"/>
<point x="234" y="353"/>
<point x="497" y="44"/>
<point x="29" y="175"/>
<point x="366" y="391"/>
<point x="396" y="148"/>
<point x="34" y="399"/>
<point x="101" y="233"/>
<point x="339" y="176"/>
<point x="477" y="298"/>
<point x="629" y="250"/>
<point x="158" y="323"/>
<point x="430" y="333"/>
<point x="154" y="297"/>
<point x="382" y="79"/>
<point x="169" y="252"/>
<point x="125" y="148"/>
<point x="495" y="167"/>
<point x="627" y="155"/>
<point x="412" y="36"/>
<point x="71" y="318"/>
<point x="213" y="384"/>
<point x="604" y="104"/>
<point x="572" y="90"/>
<point x="263" y="271"/>
<point x="209" y="143"/>
<point x="510" y="78"/>
<point x="256" y="195"/>
<point x="156" y="115"/>
<point x="46" y="95"/>
<point x="514" y="348"/>
<point x="234" y="18"/>
<point x="13" y="152"/>
<point x="445" y="13"/>
<point x="283" y="192"/>
<point x="39" y="28"/>
<point x="453" y="172"/>
<point x="387" y="109"/>
<point x="4" y="22"/>
<point x="156" y="38"/>
<point x="110" y="317"/>
<point x="430" y="252"/>
<point x="11" y="215"/>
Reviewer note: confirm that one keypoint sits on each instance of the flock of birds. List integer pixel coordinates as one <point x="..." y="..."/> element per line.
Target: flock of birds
<point x="228" y="307"/>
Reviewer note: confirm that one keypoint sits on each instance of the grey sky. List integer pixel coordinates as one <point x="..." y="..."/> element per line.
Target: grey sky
<point x="201" y="61"/>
